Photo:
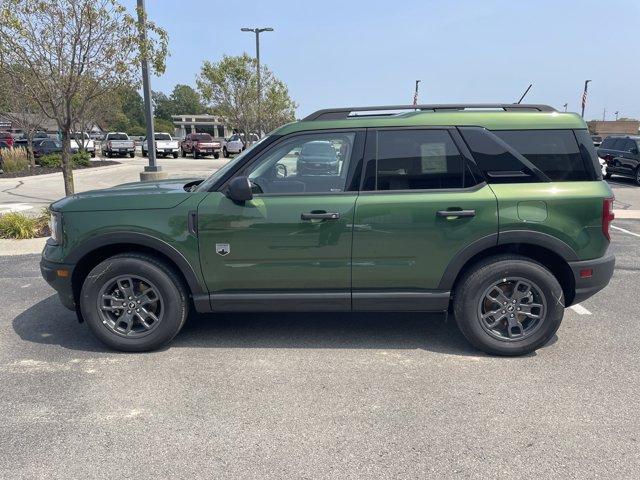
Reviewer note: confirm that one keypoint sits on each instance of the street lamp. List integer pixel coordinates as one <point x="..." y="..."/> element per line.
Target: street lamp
<point x="258" y="31"/>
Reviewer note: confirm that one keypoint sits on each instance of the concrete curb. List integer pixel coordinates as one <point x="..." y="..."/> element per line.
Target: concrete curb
<point x="22" y="247"/>
<point x="54" y="174"/>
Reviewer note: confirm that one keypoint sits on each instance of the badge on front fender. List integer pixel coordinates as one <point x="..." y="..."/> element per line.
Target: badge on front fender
<point x="223" y="249"/>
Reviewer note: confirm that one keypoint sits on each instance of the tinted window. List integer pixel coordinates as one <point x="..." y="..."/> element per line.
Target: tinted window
<point x="117" y="136"/>
<point x="628" y="145"/>
<point x="589" y="155"/>
<point x="607" y="143"/>
<point x="202" y="137"/>
<point x="316" y="163"/>
<point x="416" y="160"/>
<point x="497" y="160"/>
<point x="162" y="136"/>
<point x="618" y="144"/>
<point x="554" y="152"/>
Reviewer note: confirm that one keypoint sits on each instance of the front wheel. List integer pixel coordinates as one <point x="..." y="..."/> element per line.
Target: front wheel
<point x="216" y="155"/>
<point x="508" y="305"/>
<point x="225" y="153"/>
<point x="133" y="302"/>
<point x="638" y="175"/>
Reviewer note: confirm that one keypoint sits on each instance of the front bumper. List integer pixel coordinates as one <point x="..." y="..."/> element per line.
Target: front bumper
<point x="602" y="271"/>
<point x="52" y="272"/>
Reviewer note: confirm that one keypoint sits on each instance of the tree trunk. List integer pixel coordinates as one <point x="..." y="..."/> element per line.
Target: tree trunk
<point x="30" y="156"/>
<point x="67" y="167"/>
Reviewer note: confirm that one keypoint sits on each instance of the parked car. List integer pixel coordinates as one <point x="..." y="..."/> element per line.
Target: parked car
<point x="118" y="144"/>
<point x="46" y="147"/>
<point x="7" y="137"/>
<point x="165" y="145"/>
<point x="500" y="215"/>
<point x="86" y="143"/>
<point x="621" y="155"/>
<point x="317" y="158"/>
<point x="236" y="144"/>
<point x="200" y="145"/>
<point x="597" y="140"/>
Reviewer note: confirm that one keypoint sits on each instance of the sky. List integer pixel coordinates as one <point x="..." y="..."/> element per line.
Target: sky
<point x="334" y="53"/>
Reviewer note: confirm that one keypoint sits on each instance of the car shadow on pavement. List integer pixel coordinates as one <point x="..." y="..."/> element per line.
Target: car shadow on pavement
<point x="48" y="322"/>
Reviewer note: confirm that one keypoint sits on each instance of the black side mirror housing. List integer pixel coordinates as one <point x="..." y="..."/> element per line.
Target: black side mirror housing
<point x="239" y="189"/>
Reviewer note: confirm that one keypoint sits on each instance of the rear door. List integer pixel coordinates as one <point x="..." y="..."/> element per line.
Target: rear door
<point x="421" y="204"/>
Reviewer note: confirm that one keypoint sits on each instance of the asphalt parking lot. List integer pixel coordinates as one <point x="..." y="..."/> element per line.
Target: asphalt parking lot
<point x="321" y="396"/>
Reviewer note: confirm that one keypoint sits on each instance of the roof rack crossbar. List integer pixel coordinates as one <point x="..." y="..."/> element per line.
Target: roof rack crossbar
<point x="345" y="112"/>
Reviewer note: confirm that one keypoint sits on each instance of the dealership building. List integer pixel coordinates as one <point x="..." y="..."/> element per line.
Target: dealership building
<point x="211" y="124"/>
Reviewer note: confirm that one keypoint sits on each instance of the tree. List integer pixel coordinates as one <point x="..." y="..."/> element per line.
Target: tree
<point x="183" y="99"/>
<point x="20" y="108"/>
<point x="230" y="86"/>
<point x="75" y="52"/>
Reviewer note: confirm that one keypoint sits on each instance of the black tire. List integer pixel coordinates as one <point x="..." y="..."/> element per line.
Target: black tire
<point x="470" y="295"/>
<point x="144" y="153"/>
<point x="175" y="154"/>
<point x="607" y="175"/>
<point x="132" y="154"/>
<point x="93" y="154"/>
<point x="183" y="153"/>
<point x="637" y="176"/>
<point x="170" y="289"/>
<point x="216" y="155"/>
<point x="225" y="153"/>
<point x="195" y="154"/>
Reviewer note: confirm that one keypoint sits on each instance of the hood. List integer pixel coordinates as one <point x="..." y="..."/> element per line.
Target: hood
<point x="129" y="196"/>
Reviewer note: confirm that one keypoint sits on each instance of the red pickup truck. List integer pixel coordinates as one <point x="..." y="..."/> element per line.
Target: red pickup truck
<point x="200" y="145"/>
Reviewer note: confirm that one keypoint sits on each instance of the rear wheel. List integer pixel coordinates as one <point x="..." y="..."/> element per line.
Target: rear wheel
<point x="183" y="153"/>
<point x="144" y="153"/>
<point x="175" y="154"/>
<point x="133" y="302"/>
<point x="638" y="175"/>
<point x="216" y="155"/>
<point x="132" y="154"/>
<point x="508" y="305"/>
<point x="225" y="153"/>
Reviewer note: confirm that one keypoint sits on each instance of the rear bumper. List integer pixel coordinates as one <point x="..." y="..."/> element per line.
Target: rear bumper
<point x="602" y="269"/>
<point x="62" y="285"/>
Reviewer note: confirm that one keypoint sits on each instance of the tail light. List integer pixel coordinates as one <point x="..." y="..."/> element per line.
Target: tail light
<point x="607" y="216"/>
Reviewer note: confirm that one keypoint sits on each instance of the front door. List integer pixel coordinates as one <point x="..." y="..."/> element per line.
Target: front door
<point x="421" y="204"/>
<point x="289" y="247"/>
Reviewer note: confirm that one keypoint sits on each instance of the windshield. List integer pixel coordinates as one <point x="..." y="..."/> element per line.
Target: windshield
<point x="162" y="136"/>
<point x="206" y="185"/>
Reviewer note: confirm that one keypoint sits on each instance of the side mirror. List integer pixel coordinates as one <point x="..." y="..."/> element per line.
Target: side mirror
<point x="239" y="189"/>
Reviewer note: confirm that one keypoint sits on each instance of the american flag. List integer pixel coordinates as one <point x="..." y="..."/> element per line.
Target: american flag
<point x="415" y="99"/>
<point x="584" y="98"/>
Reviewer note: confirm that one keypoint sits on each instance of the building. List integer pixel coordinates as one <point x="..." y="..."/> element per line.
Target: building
<point x="604" y="128"/>
<point x="205" y="123"/>
<point x="7" y="124"/>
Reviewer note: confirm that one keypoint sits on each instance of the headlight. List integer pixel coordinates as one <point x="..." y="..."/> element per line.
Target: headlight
<point x="55" y="225"/>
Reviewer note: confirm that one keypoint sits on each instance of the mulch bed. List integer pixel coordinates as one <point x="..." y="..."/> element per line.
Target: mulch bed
<point x="43" y="170"/>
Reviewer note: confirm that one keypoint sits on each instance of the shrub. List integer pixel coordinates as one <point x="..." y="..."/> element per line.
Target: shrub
<point x="53" y="160"/>
<point x="14" y="160"/>
<point x="81" y="159"/>
<point x="20" y="226"/>
<point x="50" y="161"/>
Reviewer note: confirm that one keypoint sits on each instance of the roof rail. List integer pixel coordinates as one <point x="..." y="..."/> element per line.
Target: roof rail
<point x="345" y="112"/>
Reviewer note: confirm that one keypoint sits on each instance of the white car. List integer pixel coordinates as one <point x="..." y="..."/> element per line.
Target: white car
<point x="165" y="145"/>
<point x="235" y="143"/>
<point x="86" y="143"/>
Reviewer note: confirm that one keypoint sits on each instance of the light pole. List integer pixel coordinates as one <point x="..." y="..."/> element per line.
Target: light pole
<point x="565" y="106"/>
<point x="152" y="171"/>
<point x="258" y="31"/>
<point x="616" y="115"/>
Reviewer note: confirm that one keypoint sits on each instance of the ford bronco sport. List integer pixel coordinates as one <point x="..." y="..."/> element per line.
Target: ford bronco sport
<point x="497" y="213"/>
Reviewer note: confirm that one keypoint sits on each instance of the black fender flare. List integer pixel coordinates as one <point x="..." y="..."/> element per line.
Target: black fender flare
<point x="503" y="238"/>
<point x="143" y="240"/>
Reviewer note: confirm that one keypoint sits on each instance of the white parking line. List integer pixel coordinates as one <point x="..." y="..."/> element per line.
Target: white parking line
<point x="579" y="309"/>
<point x="625" y="231"/>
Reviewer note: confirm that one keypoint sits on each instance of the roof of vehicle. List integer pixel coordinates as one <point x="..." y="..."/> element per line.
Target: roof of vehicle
<point x="620" y="135"/>
<point x="490" y="116"/>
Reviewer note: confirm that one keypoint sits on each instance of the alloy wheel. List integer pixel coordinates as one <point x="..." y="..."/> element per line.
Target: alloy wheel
<point x="512" y="309"/>
<point x="130" y="306"/>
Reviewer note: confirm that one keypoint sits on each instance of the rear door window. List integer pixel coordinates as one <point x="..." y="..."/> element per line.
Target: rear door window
<point x="415" y="159"/>
<point x="554" y="152"/>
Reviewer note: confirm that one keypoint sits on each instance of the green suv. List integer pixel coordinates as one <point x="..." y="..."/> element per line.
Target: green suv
<point x="497" y="213"/>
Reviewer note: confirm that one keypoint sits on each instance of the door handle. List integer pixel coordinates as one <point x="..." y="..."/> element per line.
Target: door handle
<point x="320" y="216"/>
<point x="456" y="213"/>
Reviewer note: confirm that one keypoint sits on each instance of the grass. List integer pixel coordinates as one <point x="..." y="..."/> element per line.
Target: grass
<point x="19" y="226"/>
<point x="14" y="160"/>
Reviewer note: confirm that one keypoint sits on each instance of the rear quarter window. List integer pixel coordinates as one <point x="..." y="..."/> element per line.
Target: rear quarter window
<point x="554" y="152"/>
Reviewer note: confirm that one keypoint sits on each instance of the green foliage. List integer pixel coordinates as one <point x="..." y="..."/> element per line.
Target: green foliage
<point x="230" y="85"/>
<point x="20" y="226"/>
<point x="53" y="160"/>
<point x="162" y="125"/>
<point x="183" y="99"/>
<point x="50" y="161"/>
<point x="14" y="160"/>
